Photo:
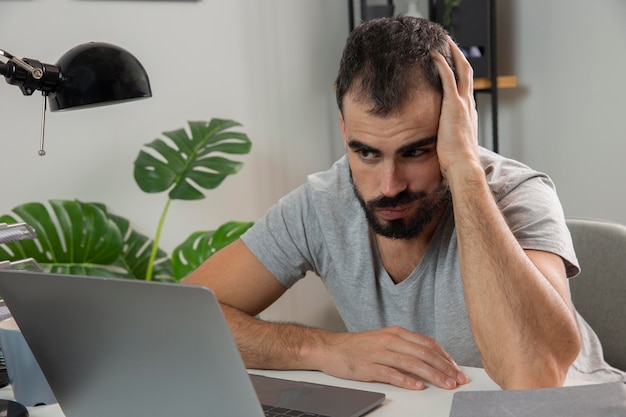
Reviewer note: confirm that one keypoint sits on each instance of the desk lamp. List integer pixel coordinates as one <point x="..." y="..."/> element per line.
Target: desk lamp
<point x="88" y="75"/>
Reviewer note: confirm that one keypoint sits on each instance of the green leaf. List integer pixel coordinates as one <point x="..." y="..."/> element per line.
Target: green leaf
<point x="199" y="246"/>
<point x="183" y="166"/>
<point x="136" y="253"/>
<point x="69" y="233"/>
<point x="80" y="238"/>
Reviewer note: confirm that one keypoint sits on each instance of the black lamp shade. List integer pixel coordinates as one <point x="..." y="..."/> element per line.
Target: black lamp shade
<point x="96" y="74"/>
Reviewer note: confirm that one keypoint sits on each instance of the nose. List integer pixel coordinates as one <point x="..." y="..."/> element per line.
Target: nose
<point x="393" y="180"/>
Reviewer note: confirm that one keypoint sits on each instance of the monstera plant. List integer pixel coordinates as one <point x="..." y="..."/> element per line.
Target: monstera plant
<point x="85" y="238"/>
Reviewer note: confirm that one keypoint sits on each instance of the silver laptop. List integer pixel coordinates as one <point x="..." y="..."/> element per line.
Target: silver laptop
<point x="115" y="346"/>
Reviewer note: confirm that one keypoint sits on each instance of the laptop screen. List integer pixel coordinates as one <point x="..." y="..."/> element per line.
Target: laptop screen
<point x="110" y="346"/>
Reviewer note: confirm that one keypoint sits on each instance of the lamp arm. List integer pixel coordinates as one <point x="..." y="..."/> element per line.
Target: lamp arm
<point x="37" y="73"/>
<point x="29" y="74"/>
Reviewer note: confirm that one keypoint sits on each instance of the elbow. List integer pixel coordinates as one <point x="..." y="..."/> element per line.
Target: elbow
<point x="561" y="358"/>
<point x="546" y="368"/>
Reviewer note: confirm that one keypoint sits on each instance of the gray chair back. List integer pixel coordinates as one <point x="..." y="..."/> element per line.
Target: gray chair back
<point x="599" y="292"/>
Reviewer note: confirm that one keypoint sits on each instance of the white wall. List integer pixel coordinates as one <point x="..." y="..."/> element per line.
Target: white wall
<point x="270" y="65"/>
<point x="567" y="117"/>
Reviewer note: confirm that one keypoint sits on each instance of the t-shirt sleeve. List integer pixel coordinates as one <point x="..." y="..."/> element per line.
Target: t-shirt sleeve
<point x="535" y="216"/>
<point x="280" y="240"/>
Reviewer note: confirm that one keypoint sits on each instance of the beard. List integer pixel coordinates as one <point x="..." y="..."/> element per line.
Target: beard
<point x="407" y="228"/>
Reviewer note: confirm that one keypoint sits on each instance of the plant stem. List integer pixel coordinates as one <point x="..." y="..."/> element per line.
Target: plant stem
<point x="157" y="237"/>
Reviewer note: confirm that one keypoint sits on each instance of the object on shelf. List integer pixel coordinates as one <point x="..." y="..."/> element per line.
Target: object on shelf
<point x="16" y="231"/>
<point x="413" y="9"/>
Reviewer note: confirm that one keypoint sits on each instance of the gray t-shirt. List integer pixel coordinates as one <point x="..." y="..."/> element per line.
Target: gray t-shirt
<point x="321" y="227"/>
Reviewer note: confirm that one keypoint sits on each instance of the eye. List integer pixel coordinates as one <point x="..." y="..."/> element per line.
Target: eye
<point x="367" y="155"/>
<point x="414" y="153"/>
<point x="364" y="152"/>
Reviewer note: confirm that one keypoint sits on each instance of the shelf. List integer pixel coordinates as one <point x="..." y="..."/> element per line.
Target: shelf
<point x="504" y="81"/>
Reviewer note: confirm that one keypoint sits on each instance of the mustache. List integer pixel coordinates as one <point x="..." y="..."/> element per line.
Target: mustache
<point x="404" y="197"/>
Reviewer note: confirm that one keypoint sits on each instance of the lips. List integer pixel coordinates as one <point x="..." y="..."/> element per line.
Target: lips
<point x="394" y="213"/>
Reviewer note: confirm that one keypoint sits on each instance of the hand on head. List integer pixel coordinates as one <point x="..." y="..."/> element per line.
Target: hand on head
<point x="457" y="137"/>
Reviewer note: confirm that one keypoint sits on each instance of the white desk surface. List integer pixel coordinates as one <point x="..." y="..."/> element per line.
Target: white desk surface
<point x="400" y="402"/>
<point x="432" y="402"/>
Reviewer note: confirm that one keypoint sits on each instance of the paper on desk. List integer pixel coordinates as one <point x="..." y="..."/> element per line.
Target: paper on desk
<point x="606" y="400"/>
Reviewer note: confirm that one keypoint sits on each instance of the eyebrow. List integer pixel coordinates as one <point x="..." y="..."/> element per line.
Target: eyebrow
<point x="357" y="145"/>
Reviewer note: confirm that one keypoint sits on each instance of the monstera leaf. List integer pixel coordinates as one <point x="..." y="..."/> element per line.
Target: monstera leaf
<point x="86" y="239"/>
<point x="80" y="238"/>
<point x="184" y="165"/>
<point x="199" y="246"/>
<point x="136" y="253"/>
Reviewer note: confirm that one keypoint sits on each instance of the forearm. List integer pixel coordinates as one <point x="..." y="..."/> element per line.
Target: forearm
<point x="270" y="345"/>
<point x="392" y="355"/>
<point x="523" y="327"/>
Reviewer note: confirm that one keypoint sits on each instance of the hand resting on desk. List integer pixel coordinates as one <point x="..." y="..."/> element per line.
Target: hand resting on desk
<point x="392" y="355"/>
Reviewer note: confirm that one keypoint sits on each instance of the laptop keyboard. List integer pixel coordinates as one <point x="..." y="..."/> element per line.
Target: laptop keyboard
<point x="271" y="411"/>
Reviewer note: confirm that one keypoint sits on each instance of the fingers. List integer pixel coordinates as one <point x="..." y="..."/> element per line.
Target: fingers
<point x="416" y="355"/>
<point x="395" y="356"/>
<point x="392" y="376"/>
<point x="445" y="73"/>
<point x="465" y="72"/>
<point x="464" y="86"/>
<point x="457" y="136"/>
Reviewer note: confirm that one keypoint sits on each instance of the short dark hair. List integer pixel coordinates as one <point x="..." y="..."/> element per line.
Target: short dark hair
<point x="386" y="60"/>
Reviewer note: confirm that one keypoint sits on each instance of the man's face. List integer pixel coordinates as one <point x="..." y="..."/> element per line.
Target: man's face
<point x="394" y="165"/>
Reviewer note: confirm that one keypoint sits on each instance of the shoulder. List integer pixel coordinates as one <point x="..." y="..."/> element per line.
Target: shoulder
<point x="505" y="174"/>
<point x="323" y="202"/>
<point x="529" y="202"/>
<point x="324" y="192"/>
<point x="335" y="180"/>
